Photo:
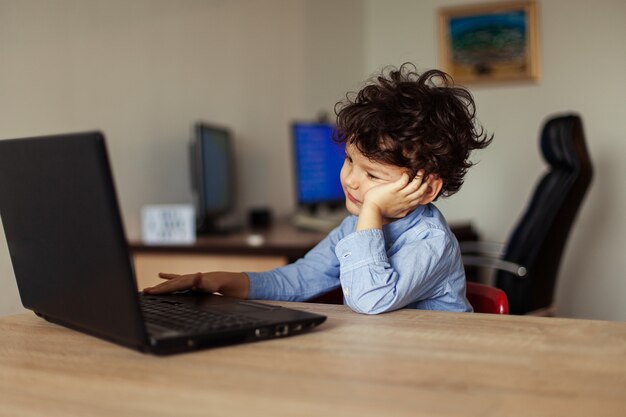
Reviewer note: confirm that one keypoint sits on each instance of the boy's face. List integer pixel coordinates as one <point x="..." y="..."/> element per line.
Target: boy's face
<point x="359" y="175"/>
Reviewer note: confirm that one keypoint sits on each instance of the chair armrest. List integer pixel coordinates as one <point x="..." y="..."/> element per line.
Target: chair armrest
<point x="485" y="248"/>
<point x="487" y="262"/>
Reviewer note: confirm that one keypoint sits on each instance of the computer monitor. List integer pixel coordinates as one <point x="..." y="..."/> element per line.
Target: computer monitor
<point x="317" y="161"/>
<point x="213" y="175"/>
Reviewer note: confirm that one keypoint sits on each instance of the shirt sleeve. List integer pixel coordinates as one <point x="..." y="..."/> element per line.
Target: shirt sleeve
<point x="375" y="279"/>
<point x="314" y="274"/>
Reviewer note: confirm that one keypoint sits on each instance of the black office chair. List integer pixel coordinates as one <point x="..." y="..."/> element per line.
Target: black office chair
<point x="528" y="266"/>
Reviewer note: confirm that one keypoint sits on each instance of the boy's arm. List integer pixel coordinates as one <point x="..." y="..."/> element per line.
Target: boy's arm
<point x="315" y="274"/>
<point x="308" y="277"/>
<point x="376" y="281"/>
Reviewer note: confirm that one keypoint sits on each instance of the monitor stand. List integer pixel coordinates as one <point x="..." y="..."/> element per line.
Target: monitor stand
<point x="319" y="219"/>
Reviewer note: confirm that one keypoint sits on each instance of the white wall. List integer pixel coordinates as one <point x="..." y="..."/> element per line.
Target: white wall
<point x="144" y="70"/>
<point x="583" y="61"/>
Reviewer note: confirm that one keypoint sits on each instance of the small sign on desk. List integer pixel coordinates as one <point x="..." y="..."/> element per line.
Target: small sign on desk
<point x="168" y="223"/>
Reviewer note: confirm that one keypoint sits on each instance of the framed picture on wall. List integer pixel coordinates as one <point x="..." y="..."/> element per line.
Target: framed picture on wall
<point x="491" y="42"/>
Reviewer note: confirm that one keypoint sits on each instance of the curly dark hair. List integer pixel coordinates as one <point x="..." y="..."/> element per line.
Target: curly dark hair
<point x="420" y="122"/>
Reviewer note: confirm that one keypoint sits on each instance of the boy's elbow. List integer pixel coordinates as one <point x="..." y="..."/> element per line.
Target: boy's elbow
<point x="358" y="309"/>
<point x="364" y="305"/>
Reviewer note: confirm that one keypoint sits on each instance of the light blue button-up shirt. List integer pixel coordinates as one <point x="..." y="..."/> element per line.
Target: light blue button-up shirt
<point x="412" y="262"/>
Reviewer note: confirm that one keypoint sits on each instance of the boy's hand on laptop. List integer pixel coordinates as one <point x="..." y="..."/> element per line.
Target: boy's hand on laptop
<point x="234" y="284"/>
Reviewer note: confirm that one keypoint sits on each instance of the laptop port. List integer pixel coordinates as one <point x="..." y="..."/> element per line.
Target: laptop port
<point x="282" y="330"/>
<point x="261" y="333"/>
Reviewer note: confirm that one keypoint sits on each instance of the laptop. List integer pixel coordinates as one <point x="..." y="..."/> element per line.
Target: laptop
<point x="72" y="264"/>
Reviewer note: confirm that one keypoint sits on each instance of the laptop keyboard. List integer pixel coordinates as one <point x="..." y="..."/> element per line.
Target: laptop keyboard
<point x="187" y="318"/>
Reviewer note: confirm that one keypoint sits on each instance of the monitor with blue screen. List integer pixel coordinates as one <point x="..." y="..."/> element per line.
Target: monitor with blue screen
<point x="317" y="162"/>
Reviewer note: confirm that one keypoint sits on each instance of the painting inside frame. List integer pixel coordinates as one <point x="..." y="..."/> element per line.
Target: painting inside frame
<point x="491" y="42"/>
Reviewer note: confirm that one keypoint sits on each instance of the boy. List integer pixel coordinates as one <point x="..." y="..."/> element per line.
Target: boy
<point x="408" y="138"/>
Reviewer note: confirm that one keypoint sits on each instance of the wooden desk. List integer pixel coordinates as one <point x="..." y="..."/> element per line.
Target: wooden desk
<point x="282" y="244"/>
<point x="407" y="363"/>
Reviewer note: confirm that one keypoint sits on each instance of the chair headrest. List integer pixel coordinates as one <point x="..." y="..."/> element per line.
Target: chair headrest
<point x="559" y="142"/>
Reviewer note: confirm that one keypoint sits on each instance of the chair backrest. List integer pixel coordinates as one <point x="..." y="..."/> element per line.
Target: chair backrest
<point x="538" y="240"/>
<point x="486" y="299"/>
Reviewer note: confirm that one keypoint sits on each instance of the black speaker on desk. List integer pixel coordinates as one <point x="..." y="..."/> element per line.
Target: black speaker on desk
<point x="260" y="218"/>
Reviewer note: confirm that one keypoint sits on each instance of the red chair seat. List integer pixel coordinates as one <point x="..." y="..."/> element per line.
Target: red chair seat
<point x="486" y="299"/>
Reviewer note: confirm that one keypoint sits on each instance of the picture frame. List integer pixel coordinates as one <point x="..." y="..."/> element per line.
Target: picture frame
<point x="493" y="42"/>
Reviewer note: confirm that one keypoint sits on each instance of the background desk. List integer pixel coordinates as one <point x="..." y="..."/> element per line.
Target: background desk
<point x="282" y="244"/>
<point x="407" y="363"/>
